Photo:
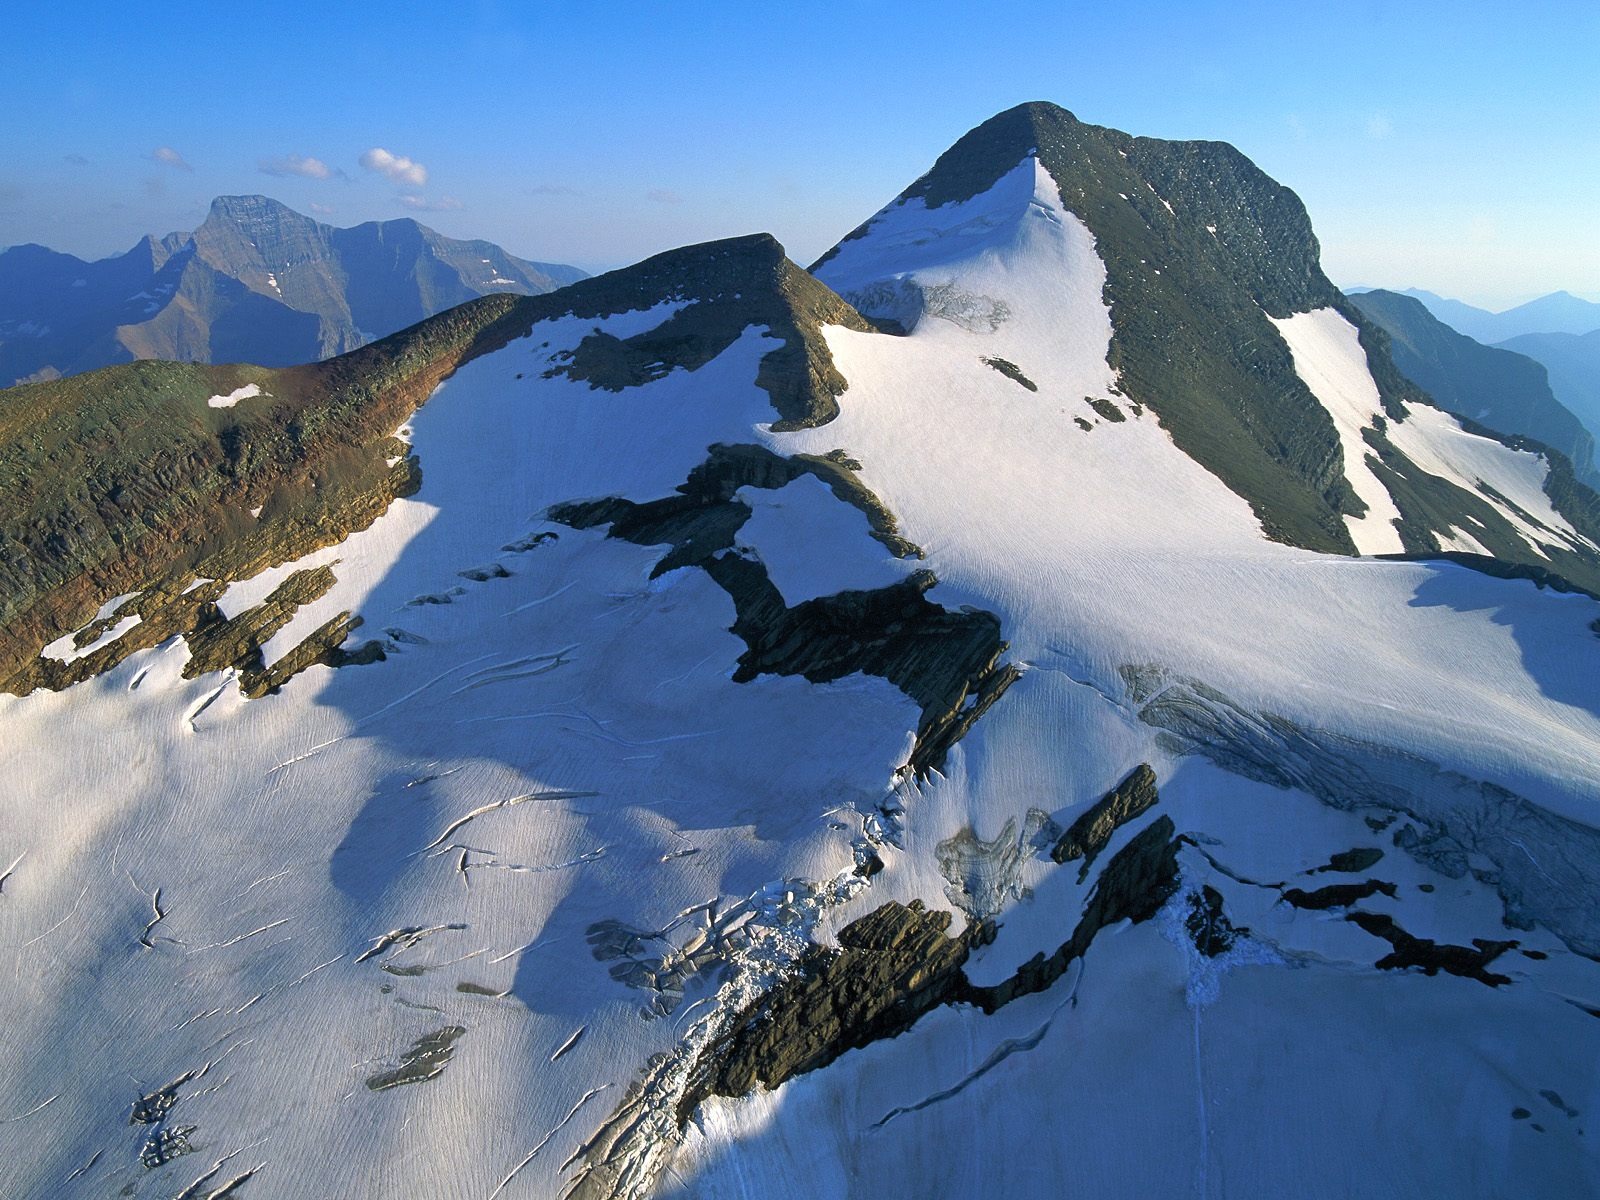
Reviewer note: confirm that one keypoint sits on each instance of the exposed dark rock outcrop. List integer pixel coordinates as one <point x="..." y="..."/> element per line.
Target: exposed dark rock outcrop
<point x="1469" y="962"/>
<point x="891" y="967"/>
<point x="424" y="1061"/>
<point x="706" y="514"/>
<point x="897" y="963"/>
<point x="1011" y="371"/>
<point x="742" y="282"/>
<point x="1338" y="895"/>
<point x="947" y="662"/>
<point x="1350" y="862"/>
<point x="1208" y="925"/>
<point x="1136" y="882"/>
<point x="1093" y="829"/>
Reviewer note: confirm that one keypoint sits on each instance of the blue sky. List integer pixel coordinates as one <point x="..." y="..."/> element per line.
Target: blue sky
<point x="1449" y="146"/>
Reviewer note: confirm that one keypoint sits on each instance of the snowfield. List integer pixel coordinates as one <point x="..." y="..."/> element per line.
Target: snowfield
<point x="246" y="392"/>
<point x="417" y="927"/>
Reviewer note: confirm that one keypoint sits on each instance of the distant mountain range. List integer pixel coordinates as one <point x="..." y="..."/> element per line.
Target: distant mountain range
<point x="256" y="282"/>
<point x="1573" y="361"/>
<point x="1559" y="312"/>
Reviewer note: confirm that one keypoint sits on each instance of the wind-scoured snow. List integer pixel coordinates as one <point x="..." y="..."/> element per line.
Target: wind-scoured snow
<point x="534" y="758"/>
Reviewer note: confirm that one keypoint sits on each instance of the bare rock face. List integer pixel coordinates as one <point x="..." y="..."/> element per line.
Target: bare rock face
<point x="1091" y="832"/>
<point x="892" y="966"/>
<point x="898" y="963"/>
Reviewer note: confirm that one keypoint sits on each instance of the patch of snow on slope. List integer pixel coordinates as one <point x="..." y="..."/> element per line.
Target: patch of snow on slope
<point x="812" y="544"/>
<point x="64" y="650"/>
<point x="233" y="397"/>
<point x="1437" y="443"/>
<point x="1329" y="358"/>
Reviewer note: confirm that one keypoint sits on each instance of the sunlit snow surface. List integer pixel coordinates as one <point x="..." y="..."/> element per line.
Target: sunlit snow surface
<point x="228" y="400"/>
<point x="198" y="875"/>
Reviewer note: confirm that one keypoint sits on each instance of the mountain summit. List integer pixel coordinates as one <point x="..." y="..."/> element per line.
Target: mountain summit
<point x="1222" y="324"/>
<point x="1040" y="686"/>
<point x="256" y="282"/>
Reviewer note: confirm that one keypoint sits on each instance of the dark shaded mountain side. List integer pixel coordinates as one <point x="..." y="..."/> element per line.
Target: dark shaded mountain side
<point x="1573" y="363"/>
<point x="126" y="480"/>
<point x="1200" y="247"/>
<point x="1505" y="391"/>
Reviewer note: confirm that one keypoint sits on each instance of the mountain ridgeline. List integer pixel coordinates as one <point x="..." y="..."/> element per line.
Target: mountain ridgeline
<point x="127" y="480"/>
<point x="135" y="483"/>
<point x="1559" y="312"/>
<point x="257" y="282"/>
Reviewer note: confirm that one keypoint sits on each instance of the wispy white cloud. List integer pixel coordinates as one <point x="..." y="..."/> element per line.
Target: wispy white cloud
<point x="168" y="157"/>
<point x="296" y="164"/>
<point x="552" y="189"/>
<point x="1379" y="127"/>
<point x="395" y="167"/>
<point x="424" y="204"/>
<point x="663" y="196"/>
<point x="323" y="210"/>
